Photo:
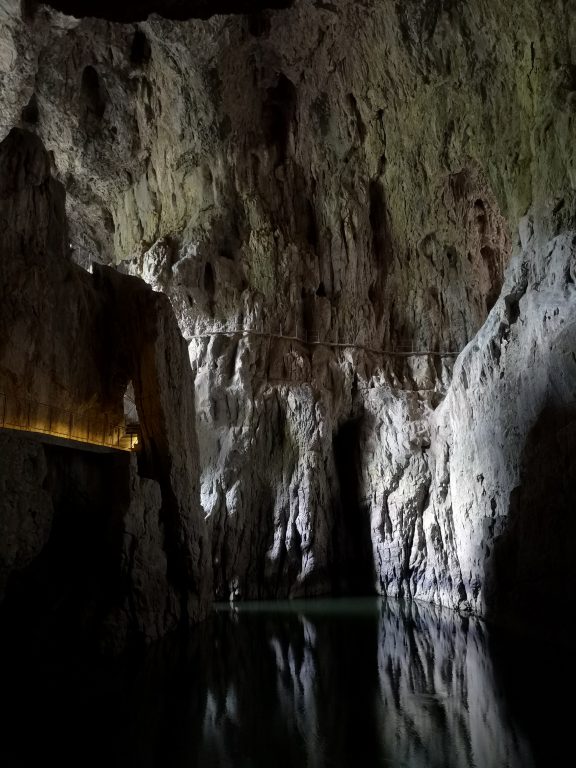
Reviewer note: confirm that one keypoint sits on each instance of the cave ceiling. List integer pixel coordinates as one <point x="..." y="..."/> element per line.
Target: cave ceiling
<point x="170" y="9"/>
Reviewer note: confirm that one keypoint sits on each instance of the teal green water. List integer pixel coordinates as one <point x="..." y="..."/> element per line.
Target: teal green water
<point x="345" y="606"/>
<point x="319" y="684"/>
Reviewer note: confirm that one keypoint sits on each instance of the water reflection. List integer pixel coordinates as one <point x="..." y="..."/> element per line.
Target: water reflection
<point x="392" y="685"/>
<point x="440" y="700"/>
<point x="316" y="684"/>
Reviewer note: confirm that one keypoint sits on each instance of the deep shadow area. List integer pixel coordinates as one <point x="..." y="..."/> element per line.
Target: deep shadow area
<point x="353" y="541"/>
<point x="141" y="51"/>
<point x="532" y="567"/>
<point x="327" y="683"/>
<point x="58" y="602"/>
<point x="132" y="10"/>
<point x="278" y="113"/>
<point x="93" y="100"/>
<point x="537" y="676"/>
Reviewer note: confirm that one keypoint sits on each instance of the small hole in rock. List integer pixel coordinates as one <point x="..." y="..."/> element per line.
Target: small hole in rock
<point x="209" y="282"/>
<point x="279" y="110"/>
<point x="92" y="99"/>
<point x="141" y="51"/>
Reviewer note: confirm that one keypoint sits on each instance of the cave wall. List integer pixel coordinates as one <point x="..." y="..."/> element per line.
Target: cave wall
<point x="74" y="341"/>
<point x="378" y="173"/>
<point x="76" y="527"/>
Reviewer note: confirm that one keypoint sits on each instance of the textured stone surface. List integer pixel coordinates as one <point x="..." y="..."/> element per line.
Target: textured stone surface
<point x="74" y="341"/>
<point x="377" y="173"/>
<point x="517" y="373"/>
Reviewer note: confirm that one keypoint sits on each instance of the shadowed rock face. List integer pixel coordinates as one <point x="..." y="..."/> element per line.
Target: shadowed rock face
<point x="528" y="567"/>
<point x="170" y="9"/>
<point x="75" y="341"/>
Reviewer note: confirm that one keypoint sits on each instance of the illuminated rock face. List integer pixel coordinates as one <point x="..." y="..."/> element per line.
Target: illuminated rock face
<point x="74" y="341"/>
<point x="378" y="175"/>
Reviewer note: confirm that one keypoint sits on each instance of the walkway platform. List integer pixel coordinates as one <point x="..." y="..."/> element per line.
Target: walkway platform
<point x="62" y="442"/>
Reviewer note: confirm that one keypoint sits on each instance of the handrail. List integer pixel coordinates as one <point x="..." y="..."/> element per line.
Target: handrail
<point x="313" y="339"/>
<point x="27" y="415"/>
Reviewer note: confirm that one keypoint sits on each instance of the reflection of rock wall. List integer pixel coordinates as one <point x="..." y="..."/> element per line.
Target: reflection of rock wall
<point x="75" y="341"/>
<point x="324" y="684"/>
<point x="438" y="693"/>
<point x="410" y="687"/>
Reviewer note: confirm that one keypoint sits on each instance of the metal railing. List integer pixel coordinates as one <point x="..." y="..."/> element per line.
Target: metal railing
<point x="27" y="415"/>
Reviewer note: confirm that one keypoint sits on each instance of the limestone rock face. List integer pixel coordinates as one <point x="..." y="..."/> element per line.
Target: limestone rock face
<point x="453" y="499"/>
<point x="317" y="190"/>
<point x="505" y="430"/>
<point x="70" y="343"/>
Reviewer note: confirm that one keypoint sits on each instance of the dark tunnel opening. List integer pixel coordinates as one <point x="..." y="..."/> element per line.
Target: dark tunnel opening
<point x="141" y="50"/>
<point x="92" y="101"/>
<point x="355" y="574"/>
<point x="279" y="110"/>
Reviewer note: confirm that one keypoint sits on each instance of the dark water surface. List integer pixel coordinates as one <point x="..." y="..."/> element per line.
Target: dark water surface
<point x="328" y="683"/>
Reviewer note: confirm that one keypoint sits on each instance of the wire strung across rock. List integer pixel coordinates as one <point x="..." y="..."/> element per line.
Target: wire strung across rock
<point x="313" y="339"/>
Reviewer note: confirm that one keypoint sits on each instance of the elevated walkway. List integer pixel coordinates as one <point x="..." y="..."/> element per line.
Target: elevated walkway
<point x="65" y="427"/>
